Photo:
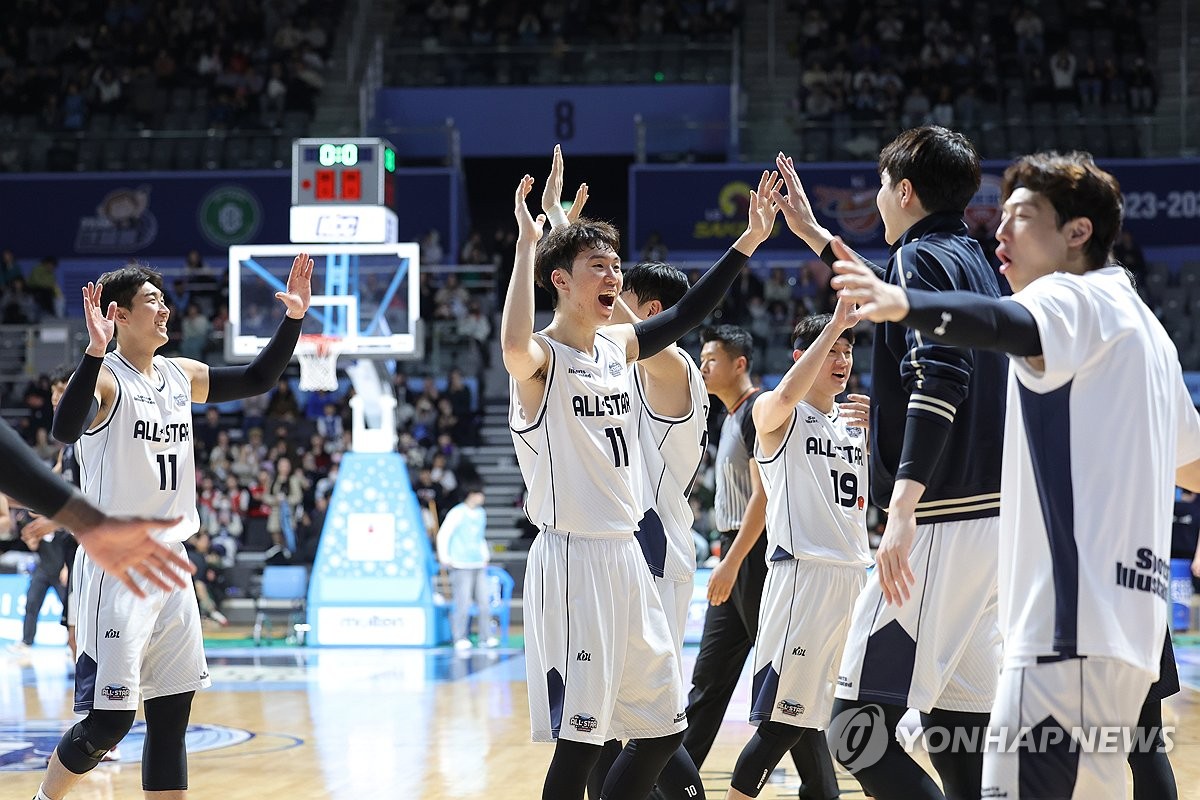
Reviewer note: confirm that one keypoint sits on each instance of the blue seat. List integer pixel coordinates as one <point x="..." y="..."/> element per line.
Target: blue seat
<point x="284" y="590"/>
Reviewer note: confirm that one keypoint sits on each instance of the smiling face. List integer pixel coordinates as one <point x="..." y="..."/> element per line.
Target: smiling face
<point x="1031" y="242"/>
<point x="835" y="372"/>
<point x="146" y="318"/>
<point x="591" y="286"/>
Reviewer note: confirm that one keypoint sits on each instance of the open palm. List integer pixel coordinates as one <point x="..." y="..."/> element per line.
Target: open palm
<point x="299" y="287"/>
<point x="101" y="324"/>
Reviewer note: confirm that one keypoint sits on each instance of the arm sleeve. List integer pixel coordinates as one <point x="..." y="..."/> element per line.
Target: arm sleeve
<point x="935" y="376"/>
<point x="828" y="257"/>
<point x="27" y="479"/>
<point x="662" y="330"/>
<point x="968" y="319"/>
<point x="234" y="383"/>
<point x="77" y="406"/>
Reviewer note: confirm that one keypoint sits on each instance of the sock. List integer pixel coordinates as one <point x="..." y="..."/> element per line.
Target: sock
<point x="41" y="795"/>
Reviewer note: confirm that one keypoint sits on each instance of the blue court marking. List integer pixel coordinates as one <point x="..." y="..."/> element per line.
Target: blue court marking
<point x="26" y="745"/>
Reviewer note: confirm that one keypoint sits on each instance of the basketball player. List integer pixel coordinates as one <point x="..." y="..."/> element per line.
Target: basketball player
<point x="130" y="412"/>
<point x="817" y="540"/>
<point x="599" y="656"/>
<point x="118" y="545"/>
<point x="1084" y="570"/>
<point x="924" y="633"/>
<point x="735" y="586"/>
<point x="671" y="405"/>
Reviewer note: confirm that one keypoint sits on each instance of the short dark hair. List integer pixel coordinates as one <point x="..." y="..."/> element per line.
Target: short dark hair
<point x="557" y="250"/>
<point x="121" y="285"/>
<point x="1076" y="187"/>
<point x="737" y="341"/>
<point x="808" y="329"/>
<point x="654" y="280"/>
<point x="941" y="164"/>
<point x="62" y="373"/>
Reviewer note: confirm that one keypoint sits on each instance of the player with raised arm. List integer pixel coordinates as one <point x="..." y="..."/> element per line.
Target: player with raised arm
<point x="1083" y="585"/>
<point x="671" y="406"/>
<point x="129" y="413"/>
<point x="924" y="633"/>
<point x="811" y="453"/>
<point x="599" y="657"/>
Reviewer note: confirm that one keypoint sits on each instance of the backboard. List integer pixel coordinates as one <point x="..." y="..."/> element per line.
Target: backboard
<point x="365" y="293"/>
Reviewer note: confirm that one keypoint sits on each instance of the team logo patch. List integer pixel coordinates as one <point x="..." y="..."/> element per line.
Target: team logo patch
<point x="115" y="692"/>
<point x="584" y="723"/>
<point x="181" y="399"/>
<point x="615" y="369"/>
<point x="791" y="708"/>
<point x="854" y="433"/>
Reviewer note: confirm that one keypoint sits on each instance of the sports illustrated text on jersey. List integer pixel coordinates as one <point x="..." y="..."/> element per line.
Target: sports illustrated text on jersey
<point x="1148" y="574"/>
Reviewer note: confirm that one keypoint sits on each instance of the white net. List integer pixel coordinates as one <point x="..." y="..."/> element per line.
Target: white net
<point x="318" y="364"/>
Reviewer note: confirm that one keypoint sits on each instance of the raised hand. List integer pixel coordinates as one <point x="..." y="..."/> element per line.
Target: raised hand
<point x="581" y="198"/>
<point x="855" y="282"/>
<point x="528" y="228"/>
<point x="796" y="208"/>
<point x="101" y="324"/>
<point x="552" y="193"/>
<point x="846" y="314"/>
<point x="856" y="411"/>
<point x="762" y="208"/>
<point x="299" y="287"/>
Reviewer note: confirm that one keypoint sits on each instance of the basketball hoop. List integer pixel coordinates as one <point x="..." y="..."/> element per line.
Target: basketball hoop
<point x="318" y="362"/>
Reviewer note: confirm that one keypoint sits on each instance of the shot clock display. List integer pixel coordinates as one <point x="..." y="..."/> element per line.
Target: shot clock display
<point x="346" y="171"/>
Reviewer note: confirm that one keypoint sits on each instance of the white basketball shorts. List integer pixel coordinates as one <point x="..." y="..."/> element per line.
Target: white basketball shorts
<point x="131" y="648"/>
<point x="806" y="607"/>
<point x="676" y="596"/>
<point x="1062" y="729"/>
<point x="73" y="593"/>
<point x="942" y="648"/>
<point x="598" y="651"/>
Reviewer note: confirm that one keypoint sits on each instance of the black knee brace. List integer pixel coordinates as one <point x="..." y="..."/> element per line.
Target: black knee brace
<point x="82" y="747"/>
<point x="762" y="754"/>
<point x="164" y="756"/>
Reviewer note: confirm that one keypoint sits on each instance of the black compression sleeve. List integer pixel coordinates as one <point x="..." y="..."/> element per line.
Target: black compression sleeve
<point x="924" y="441"/>
<point x="968" y="319"/>
<point x="828" y="257"/>
<point x="78" y="405"/>
<point x="234" y="383"/>
<point x="27" y="479"/>
<point x="661" y="330"/>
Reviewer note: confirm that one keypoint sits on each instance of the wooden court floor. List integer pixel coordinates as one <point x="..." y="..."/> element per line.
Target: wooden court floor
<point x="345" y="724"/>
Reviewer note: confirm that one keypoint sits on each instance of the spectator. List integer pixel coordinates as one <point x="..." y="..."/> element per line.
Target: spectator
<point x="283" y="404"/>
<point x="431" y="251"/>
<point x="1143" y="92"/>
<point x="1062" y="74"/>
<point x="477" y="329"/>
<point x="196" y="327"/>
<point x="329" y="424"/>
<point x="207" y="579"/>
<point x="462" y="549"/>
<point x="655" y="248"/>
<point x="10" y="270"/>
<point x="1090" y="83"/>
<point x="915" y="111"/>
<point x="1030" y="32"/>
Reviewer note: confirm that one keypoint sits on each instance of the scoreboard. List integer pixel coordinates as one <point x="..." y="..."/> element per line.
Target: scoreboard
<point x="343" y="190"/>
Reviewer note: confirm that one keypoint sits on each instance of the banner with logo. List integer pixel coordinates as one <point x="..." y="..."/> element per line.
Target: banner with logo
<point x="166" y="214"/>
<point x="700" y="209"/>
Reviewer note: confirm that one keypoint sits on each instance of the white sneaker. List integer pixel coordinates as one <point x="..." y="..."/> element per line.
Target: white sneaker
<point x="19" y="648"/>
<point x="112" y="755"/>
<point x="493" y="641"/>
<point x="462" y="644"/>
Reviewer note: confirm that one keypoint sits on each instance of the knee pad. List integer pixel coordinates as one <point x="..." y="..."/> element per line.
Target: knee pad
<point x="164" y="755"/>
<point x="770" y="743"/>
<point x="86" y="742"/>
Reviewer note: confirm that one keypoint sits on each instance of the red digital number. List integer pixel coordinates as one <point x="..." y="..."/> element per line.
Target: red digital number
<point x="326" y="184"/>
<point x="351" y="184"/>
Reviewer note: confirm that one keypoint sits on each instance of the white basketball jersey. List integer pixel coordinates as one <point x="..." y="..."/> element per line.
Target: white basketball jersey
<point x="1091" y="446"/>
<point x="671" y="450"/>
<point x="140" y="461"/>
<point x="579" y="453"/>
<point x="816" y="486"/>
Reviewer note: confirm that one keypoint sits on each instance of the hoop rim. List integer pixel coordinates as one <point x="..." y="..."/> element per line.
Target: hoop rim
<point x="322" y="343"/>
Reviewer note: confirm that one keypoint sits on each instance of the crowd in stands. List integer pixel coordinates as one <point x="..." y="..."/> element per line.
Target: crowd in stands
<point x="908" y="64"/>
<point x="245" y="63"/>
